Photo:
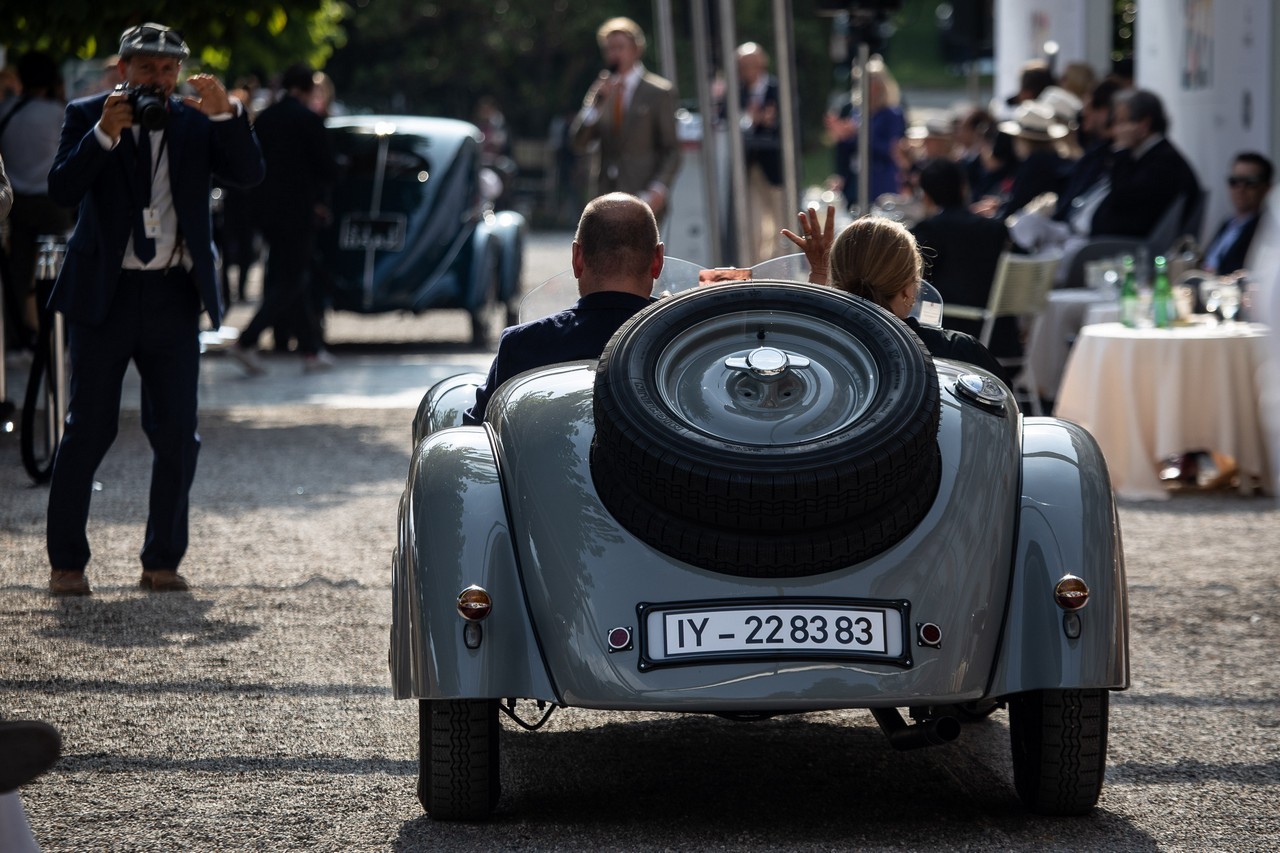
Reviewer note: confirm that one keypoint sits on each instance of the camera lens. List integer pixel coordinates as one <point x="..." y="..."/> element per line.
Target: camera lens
<point x="152" y="115"/>
<point x="149" y="108"/>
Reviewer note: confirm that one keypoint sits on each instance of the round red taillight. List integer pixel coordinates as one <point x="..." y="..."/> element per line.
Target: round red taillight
<point x="619" y="639"/>
<point x="929" y="634"/>
<point x="1071" y="593"/>
<point x="474" y="604"/>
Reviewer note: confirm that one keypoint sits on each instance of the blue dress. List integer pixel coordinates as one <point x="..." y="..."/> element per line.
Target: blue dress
<point x="888" y="126"/>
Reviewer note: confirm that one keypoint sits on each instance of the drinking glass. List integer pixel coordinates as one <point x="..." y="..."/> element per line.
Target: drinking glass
<point x="1211" y="295"/>
<point x="1229" y="297"/>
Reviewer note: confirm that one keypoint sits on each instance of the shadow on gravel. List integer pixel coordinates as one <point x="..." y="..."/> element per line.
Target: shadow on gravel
<point x="1190" y="771"/>
<point x="103" y="762"/>
<point x="789" y="783"/>
<point x="150" y="621"/>
<point x="1187" y="700"/>
<point x="246" y="466"/>
<point x="1201" y="503"/>
<point x="204" y="687"/>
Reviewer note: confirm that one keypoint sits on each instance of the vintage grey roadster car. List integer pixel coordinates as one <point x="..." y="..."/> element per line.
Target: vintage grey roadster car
<point x="412" y="230"/>
<point x="764" y="498"/>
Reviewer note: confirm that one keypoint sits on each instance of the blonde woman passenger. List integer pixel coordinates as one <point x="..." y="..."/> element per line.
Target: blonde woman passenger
<point x="878" y="259"/>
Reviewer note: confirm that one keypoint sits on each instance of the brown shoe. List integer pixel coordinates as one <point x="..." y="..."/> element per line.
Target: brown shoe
<point x="163" y="580"/>
<point x="68" y="583"/>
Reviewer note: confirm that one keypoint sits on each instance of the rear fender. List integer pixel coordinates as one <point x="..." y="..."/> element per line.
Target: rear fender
<point x="483" y="267"/>
<point x="444" y="404"/>
<point x="508" y="230"/>
<point x="1067" y="524"/>
<point x="453" y="533"/>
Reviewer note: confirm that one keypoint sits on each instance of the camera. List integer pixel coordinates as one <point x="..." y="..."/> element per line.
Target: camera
<point x="149" y="107"/>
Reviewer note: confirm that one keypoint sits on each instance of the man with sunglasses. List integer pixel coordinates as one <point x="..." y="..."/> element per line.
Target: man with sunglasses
<point x="1248" y="184"/>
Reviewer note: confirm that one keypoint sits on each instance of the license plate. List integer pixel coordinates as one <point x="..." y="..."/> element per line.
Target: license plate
<point x="853" y="630"/>
<point x="362" y="231"/>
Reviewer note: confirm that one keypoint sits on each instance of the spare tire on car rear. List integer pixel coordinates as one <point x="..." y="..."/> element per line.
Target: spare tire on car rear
<point x="776" y="414"/>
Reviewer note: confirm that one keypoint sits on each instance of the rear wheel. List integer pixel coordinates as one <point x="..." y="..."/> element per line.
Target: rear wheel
<point x="1059" y="744"/>
<point x="458" y="758"/>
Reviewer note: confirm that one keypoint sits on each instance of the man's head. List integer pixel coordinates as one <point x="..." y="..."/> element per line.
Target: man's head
<point x="298" y="80"/>
<point x="1033" y="79"/>
<point x="972" y="127"/>
<point x="616" y="246"/>
<point x="942" y="182"/>
<point x="38" y="73"/>
<point x="753" y="63"/>
<point x="1249" y="182"/>
<point x="1095" y="117"/>
<point x="621" y="42"/>
<point x="152" y="55"/>
<point x="1136" y="115"/>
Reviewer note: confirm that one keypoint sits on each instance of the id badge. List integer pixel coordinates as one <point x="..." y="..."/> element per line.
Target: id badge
<point x="151" y="222"/>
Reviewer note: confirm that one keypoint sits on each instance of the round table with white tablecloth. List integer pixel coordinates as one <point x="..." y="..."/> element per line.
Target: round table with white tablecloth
<point x="1146" y="394"/>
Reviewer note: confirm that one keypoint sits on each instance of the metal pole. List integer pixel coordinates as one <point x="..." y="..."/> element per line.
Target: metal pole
<point x="57" y="381"/>
<point x="375" y="207"/>
<point x="788" y="102"/>
<point x="707" y="109"/>
<point x="733" y="113"/>
<point x="5" y="411"/>
<point x="864" y="131"/>
<point x="666" y="39"/>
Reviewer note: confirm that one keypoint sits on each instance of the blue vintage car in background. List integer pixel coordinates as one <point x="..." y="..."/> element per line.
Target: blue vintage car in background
<point x="765" y="498"/>
<point x="412" y="230"/>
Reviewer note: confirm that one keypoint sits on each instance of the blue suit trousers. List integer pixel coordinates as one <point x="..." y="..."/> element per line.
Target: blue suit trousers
<point x="153" y="321"/>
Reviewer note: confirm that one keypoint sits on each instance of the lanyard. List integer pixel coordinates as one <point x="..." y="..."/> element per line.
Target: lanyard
<point x="155" y="160"/>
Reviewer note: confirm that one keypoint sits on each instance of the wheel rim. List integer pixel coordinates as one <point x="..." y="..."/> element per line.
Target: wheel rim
<point x="766" y="378"/>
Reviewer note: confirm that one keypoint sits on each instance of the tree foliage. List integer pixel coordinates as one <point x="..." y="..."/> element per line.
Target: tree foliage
<point x="432" y="57"/>
<point x="228" y="36"/>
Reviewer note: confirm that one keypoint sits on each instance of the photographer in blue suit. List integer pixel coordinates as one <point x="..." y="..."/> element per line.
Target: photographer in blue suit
<point x="138" y="163"/>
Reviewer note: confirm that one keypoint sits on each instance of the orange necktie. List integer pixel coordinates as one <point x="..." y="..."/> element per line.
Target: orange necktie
<point x="617" y="110"/>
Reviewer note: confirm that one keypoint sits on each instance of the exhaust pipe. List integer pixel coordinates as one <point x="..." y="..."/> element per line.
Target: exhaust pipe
<point x="931" y="732"/>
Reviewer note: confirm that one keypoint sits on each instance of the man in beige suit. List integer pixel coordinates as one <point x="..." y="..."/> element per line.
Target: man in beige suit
<point x="632" y="114"/>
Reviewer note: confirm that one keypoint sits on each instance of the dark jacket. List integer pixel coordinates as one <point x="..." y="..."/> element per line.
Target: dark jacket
<point x="300" y="165"/>
<point x="1093" y="165"/>
<point x="1041" y="172"/>
<point x="961" y="251"/>
<point x="1238" y="252"/>
<point x="102" y="184"/>
<point x="957" y="346"/>
<point x="1143" y="189"/>
<point x="576" y="333"/>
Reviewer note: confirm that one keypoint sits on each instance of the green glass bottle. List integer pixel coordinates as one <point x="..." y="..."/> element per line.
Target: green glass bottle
<point x="1129" y="294"/>
<point x="1163" y="311"/>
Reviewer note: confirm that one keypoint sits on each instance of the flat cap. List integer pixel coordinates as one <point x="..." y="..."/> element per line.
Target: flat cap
<point x="153" y="40"/>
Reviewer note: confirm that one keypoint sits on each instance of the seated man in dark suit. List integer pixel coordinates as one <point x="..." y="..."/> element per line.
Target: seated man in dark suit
<point x="1148" y="174"/>
<point x="616" y="257"/>
<point x="961" y="249"/>
<point x="1249" y="182"/>
<point x="1092" y="169"/>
